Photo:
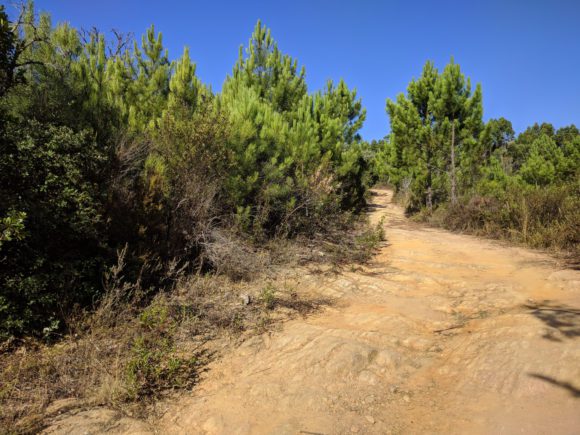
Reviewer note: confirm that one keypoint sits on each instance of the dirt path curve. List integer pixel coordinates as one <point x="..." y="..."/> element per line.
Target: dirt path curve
<point x="442" y="333"/>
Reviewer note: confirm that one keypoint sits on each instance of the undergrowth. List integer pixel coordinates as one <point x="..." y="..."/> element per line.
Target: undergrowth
<point x="139" y="345"/>
<point x="545" y="218"/>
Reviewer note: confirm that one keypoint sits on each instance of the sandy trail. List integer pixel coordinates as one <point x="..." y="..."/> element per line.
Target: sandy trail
<point x="442" y="333"/>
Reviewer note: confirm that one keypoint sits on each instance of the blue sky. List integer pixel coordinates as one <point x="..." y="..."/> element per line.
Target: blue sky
<point x="526" y="54"/>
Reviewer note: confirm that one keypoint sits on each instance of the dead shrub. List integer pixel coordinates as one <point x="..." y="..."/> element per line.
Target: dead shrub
<point x="231" y="255"/>
<point x="349" y="240"/>
<point x="474" y="215"/>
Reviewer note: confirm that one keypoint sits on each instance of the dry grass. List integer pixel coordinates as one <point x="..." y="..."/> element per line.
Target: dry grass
<point x="340" y="246"/>
<point x="547" y="218"/>
<point x="235" y="257"/>
<point x="131" y="350"/>
<point x="126" y="357"/>
<point x="145" y="353"/>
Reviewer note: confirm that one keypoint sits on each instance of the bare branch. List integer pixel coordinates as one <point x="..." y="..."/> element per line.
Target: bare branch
<point x="121" y="42"/>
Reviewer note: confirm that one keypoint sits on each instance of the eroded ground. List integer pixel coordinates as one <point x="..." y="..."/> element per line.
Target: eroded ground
<point x="442" y="333"/>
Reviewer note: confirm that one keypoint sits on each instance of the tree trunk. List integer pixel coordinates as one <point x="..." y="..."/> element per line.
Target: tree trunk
<point x="429" y="201"/>
<point x="453" y="181"/>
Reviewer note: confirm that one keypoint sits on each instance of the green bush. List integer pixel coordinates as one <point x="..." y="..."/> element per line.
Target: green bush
<point x="154" y="364"/>
<point x="53" y="248"/>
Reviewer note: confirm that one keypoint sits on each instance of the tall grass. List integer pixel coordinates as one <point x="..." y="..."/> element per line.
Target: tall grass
<point x="539" y="217"/>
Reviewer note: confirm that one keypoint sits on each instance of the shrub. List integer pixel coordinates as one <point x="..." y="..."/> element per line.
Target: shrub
<point x="547" y="217"/>
<point x="268" y="296"/>
<point x="154" y="364"/>
<point x="49" y="174"/>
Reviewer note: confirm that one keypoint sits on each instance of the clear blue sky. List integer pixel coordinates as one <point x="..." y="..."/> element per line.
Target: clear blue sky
<point x="526" y="54"/>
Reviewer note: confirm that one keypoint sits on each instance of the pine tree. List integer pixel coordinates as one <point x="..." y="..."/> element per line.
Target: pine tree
<point x="434" y="130"/>
<point x="459" y="117"/>
<point x="282" y="138"/>
<point x="274" y="76"/>
<point x="152" y="70"/>
<point x="184" y="86"/>
<point x="497" y="134"/>
<point x="545" y="163"/>
<point x="414" y="151"/>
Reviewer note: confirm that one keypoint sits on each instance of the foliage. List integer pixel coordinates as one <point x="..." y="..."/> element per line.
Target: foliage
<point x="434" y="131"/>
<point x="50" y="258"/>
<point x="106" y="145"/>
<point x="12" y="226"/>
<point x="154" y="363"/>
<point x="268" y="296"/>
<point x="523" y="188"/>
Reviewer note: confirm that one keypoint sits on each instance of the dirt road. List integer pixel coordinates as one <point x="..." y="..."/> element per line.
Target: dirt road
<point x="442" y="333"/>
